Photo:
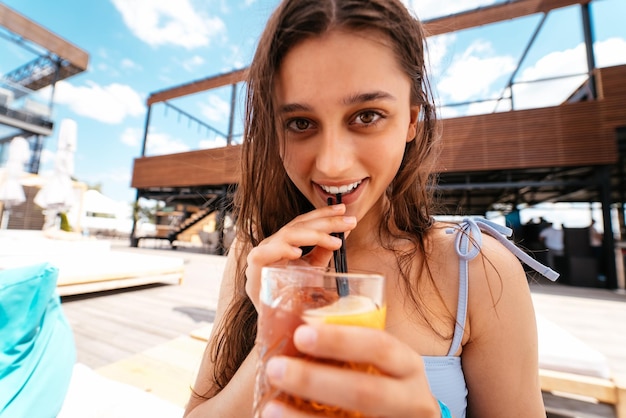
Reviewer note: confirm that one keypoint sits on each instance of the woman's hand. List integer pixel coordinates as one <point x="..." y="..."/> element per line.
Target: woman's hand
<point x="310" y="229"/>
<point x="401" y="390"/>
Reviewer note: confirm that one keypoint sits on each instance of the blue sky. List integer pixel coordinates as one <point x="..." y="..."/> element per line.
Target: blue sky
<point x="138" y="47"/>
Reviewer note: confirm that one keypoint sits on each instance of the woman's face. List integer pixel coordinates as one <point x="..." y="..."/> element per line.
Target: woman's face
<point x="345" y="115"/>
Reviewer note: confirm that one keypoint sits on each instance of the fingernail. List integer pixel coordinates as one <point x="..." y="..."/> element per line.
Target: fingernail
<point x="350" y="220"/>
<point x="272" y="410"/>
<point x="305" y="336"/>
<point x="275" y="368"/>
<point x="336" y="240"/>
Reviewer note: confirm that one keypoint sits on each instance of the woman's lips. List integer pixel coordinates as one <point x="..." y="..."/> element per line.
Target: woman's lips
<point x="347" y="198"/>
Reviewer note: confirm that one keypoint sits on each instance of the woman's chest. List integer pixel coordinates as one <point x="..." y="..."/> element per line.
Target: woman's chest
<point x="421" y="301"/>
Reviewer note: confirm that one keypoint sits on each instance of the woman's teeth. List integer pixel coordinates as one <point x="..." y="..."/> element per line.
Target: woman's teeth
<point x="341" y="189"/>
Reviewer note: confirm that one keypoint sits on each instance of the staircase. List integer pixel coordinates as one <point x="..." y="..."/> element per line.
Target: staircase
<point x="208" y="208"/>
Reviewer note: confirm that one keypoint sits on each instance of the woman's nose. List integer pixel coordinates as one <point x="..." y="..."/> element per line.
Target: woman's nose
<point x="335" y="154"/>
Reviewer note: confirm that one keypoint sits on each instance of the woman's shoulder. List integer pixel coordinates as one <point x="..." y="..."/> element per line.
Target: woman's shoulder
<point x="486" y="255"/>
<point x="439" y="241"/>
<point x="494" y="272"/>
<point x="479" y="241"/>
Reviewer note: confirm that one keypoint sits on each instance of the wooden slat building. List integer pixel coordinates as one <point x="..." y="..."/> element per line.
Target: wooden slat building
<point x="572" y="152"/>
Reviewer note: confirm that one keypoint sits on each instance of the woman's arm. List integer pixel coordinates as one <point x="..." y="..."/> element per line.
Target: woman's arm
<point x="235" y="400"/>
<point x="311" y="229"/>
<point x="500" y="360"/>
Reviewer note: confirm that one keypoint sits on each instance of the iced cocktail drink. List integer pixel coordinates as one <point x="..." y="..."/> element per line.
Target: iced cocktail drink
<point x="292" y="296"/>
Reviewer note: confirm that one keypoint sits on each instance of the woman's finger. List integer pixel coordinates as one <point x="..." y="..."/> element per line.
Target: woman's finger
<point x="285" y="245"/>
<point x="326" y="211"/>
<point x="360" y="345"/>
<point x="351" y="388"/>
<point x="315" y="232"/>
<point x="313" y="229"/>
<point x="326" y="225"/>
<point x="278" y="409"/>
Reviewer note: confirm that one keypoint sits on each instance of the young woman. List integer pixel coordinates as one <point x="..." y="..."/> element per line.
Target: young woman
<point x="338" y="101"/>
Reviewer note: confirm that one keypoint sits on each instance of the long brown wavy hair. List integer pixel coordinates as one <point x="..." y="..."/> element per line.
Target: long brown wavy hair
<point x="266" y="199"/>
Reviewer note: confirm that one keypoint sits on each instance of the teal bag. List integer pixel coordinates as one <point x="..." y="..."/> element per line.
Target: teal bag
<point x="37" y="351"/>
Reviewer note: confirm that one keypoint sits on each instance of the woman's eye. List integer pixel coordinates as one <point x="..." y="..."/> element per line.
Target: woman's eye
<point x="298" y="125"/>
<point x="368" y="117"/>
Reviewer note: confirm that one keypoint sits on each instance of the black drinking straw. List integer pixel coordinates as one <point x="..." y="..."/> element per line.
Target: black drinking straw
<point x="342" y="251"/>
<point x="336" y="253"/>
<point x="339" y="258"/>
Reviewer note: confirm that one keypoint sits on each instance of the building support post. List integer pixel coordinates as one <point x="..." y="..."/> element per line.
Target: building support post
<point x="231" y="120"/>
<point x="591" y="61"/>
<point x="220" y="220"/>
<point x="134" y="241"/>
<point x="608" y="241"/>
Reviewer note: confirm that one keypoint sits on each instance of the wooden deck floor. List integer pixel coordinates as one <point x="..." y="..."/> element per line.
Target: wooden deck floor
<point x="110" y="326"/>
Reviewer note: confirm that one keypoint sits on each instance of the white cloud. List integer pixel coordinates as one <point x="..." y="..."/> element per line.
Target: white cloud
<point x="489" y="106"/>
<point x="561" y="63"/>
<point x="162" y="22"/>
<point x="610" y="52"/>
<point x="557" y="63"/>
<point x="236" y="58"/>
<point x="131" y="137"/>
<point x="217" y="109"/>
<point x="129" y="64"/>
<point x="163" y="144"/>
<point x="158" y="143"/>
<point x="472" y="74"/>
<point x="217" y="142"/>
<point x="477" y="72"/>
<point x="108" y="104"/>
<point x="192" y="63"/>
<point x="437" y="50"/>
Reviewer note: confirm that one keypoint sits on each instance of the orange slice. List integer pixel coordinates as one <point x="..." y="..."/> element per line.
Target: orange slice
<point x="348" y="310"/>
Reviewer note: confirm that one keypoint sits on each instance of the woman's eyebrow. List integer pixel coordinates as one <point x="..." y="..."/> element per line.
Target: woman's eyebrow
<point x="348" y="101"/>
<point x="367" y="97"/>
<point x="294" y="107"/>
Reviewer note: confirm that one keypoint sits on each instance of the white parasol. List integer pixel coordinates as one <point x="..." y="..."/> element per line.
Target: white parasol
<point x="11" y="189"/>
<point x="57" y="194"/>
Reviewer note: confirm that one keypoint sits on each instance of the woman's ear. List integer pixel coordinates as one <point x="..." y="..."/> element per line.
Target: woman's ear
<point x="412" y="129"/>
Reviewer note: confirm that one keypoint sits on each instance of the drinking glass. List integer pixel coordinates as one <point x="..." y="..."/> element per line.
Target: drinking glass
<point x="295" y="295"/>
